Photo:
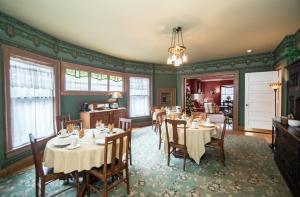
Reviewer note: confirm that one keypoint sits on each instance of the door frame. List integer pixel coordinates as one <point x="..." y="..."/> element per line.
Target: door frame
<point x="235" y="75"/>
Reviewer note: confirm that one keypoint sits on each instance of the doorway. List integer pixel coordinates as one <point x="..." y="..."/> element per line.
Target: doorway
<point x="206" y="89"/>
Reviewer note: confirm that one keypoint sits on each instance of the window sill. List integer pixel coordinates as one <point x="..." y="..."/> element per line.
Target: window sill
<point x="87" y="93"/>
<point x="15" y="152"/>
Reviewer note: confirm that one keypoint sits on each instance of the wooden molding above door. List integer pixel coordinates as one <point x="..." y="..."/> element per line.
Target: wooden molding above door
<point x="162" y="92"/>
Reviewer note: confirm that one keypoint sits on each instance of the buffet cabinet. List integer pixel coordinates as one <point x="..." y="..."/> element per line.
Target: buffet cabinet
<point x="106" y="116"/>
<point x="287" y="155"/>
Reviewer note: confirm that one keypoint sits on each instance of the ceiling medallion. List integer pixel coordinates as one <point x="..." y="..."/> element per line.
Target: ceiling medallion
<point x="177" y="49"/>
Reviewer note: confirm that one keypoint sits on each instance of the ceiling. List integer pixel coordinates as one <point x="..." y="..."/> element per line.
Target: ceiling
<point x="141" y="30"/>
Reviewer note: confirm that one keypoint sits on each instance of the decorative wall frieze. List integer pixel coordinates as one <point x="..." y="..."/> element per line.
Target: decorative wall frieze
<point x="234" y="63"/>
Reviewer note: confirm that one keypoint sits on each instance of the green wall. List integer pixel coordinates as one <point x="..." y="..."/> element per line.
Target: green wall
<point x="15" y="33"/>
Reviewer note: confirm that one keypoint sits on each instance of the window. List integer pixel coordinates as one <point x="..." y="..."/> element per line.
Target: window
<point x="32" y="101"/>
<point x="77" y="80"/>
<point x="115" y="83"/>
<point x="86" y="80"/>
<point x="226" y="92"/>
<point x="139" y="89"/>
<point x="99" y="82"/>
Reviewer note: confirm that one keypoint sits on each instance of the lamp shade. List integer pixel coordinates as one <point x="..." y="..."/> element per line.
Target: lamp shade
<point x="116" y="95"/>
<point x="275" y="86"/>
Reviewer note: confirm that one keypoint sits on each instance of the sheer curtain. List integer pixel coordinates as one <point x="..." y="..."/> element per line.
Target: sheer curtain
<point x="139" y="89"/>
<point x="31" y="100"/>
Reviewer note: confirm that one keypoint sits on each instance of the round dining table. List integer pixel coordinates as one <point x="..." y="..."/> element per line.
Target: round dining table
<point x="196" y="138"/>
<point x="89" y="154"/>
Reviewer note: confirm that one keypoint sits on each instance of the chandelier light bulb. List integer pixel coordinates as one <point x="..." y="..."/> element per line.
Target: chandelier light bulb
<point x="173" y="57"/>
<point x="176" y="63"/>
<point x="184" y="58"/>
<point x="169" y="61"/>
<point x="179" y="61"/>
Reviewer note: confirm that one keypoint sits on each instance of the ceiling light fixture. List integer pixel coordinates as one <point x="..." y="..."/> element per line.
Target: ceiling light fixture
<point x="177" y="49"/>
<point x="249" y="50"/>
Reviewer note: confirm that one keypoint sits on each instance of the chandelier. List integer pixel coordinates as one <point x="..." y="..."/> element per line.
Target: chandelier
<point x="177" y="49"/>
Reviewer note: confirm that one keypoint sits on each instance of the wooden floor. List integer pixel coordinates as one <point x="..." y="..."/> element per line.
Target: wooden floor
<point x="265" y="136"/>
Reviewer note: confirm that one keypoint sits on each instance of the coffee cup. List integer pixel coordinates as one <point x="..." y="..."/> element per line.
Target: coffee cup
<point x="74" y="141"/>
<point x="63" y="132"/>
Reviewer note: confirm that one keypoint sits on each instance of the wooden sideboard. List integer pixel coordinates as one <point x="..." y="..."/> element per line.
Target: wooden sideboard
<point x="107" y="116"/>
<point x="287" y="155"/>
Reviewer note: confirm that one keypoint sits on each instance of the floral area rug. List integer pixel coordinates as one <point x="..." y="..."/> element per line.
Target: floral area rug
<point x="249" y="171"/>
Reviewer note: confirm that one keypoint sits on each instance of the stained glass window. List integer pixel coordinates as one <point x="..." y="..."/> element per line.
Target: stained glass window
<point x="76" y="80"/>
<point x="99" y="82"/>
<point x="115" y="83"/>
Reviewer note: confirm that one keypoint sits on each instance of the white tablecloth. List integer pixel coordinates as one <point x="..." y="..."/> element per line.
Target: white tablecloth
<point x="195" y="140"/>
<point x="87" y="156"/>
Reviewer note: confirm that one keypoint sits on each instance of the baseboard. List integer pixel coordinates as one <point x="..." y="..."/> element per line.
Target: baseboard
<point x="19" y="165"/>
<point x="255" y="130"/>
<point x="141" y="124"/>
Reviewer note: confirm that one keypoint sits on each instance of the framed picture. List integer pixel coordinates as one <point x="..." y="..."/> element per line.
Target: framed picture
<point x="166" y="97"/>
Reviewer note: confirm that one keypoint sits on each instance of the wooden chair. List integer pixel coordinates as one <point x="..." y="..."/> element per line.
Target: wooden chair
<point x="174" y="144"/>
<point x="125" y="124"/>
<point x="46" y="175"/>
<point x="76" y="123"/>
<point x="115" y="168"/>
<point x="218" y="142"/>
<point x="153" y="122"/>
<point x="160" y="118"/>
<point x="201" y="115"/>
<point x="61" y="120"/>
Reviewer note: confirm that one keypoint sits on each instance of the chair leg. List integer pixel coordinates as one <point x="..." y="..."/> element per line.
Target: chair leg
<point x="43" y="187"/>
<point x="159" y="145"/>
<point x="222" y="156"/>
<point x="130" y="155"/>
<point x="36" y="185"/>
<point x="88" y="182"/>
<point x="184" y="159"/>
<point x="105" y="192"/>
<point x="169" y="156"/>
<point x="127" y="180"/>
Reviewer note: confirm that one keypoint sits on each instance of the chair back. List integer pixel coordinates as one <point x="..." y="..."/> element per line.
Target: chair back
<point x="61" y="120"/>
<point x="116" y="167"/>
<point x="175" y="124"/>
<point x="76" y="123"/>
<point x="160" y="117"/>
<point x="224" y="129"/>
<point x="125" y="124"/>
<point x="152" y="110"/>
<point x="201" y="115"/>
<point x="36" y="156"/>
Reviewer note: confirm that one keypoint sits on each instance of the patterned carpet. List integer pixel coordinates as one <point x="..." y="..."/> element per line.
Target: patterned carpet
<point x="250" y="171"/>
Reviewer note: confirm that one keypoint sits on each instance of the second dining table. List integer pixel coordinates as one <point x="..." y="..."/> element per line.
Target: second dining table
<point x="87" y="155"/>
<point x="196" y="138"/>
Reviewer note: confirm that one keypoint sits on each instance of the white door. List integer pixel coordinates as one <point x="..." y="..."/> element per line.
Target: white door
<point x="259" y="100"/>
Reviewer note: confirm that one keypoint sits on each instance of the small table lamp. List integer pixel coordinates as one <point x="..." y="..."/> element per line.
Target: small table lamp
<point x="116" y="95"/>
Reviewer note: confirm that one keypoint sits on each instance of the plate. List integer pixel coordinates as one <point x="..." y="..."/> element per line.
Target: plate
<point x="63" y="136"/>
<point x="72" y="147"/>
<point x="101" y="141"/>
<point x="208" y="125"/>
<point x="61" y="143"/>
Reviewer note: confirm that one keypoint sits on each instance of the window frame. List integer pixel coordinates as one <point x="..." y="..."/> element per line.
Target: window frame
<point x="128" y="91"/>
<point x="226" y="86"/>
<point x="8" y="52"/>
<point x="89" y="69"/>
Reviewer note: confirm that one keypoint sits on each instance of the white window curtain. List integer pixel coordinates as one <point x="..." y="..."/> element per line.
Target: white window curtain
<point x="139" y="89"/>
<point x="31" y="100"/>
